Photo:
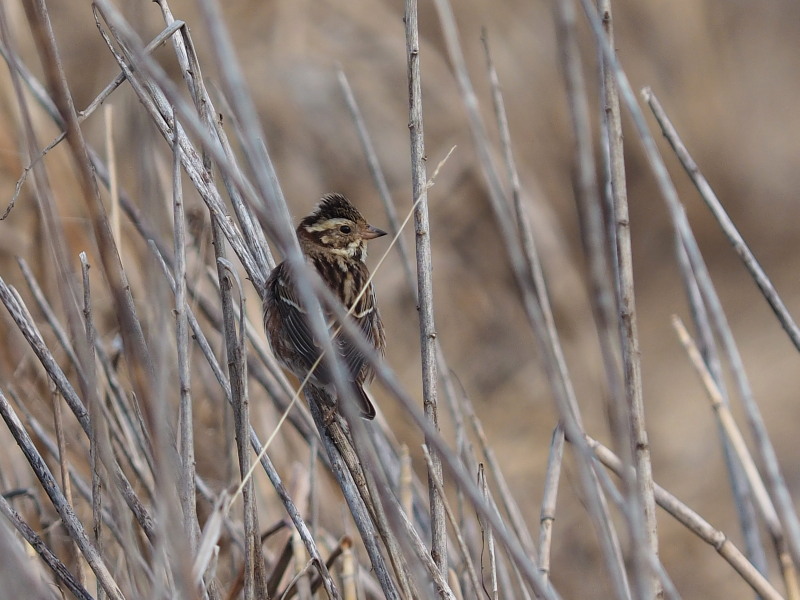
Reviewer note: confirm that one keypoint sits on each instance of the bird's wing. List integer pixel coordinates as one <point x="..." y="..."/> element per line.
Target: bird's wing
<point x="365" y="314"/>
<point x="294" y="319"/>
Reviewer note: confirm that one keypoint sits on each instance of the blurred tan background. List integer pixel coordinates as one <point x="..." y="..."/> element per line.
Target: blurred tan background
<point x="726" y="72"/>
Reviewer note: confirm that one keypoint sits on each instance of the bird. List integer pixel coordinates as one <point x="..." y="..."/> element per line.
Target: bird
<point x="333" y="240"/>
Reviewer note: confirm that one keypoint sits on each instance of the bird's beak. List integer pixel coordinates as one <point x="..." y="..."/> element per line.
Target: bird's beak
<point x="370" y="232"/>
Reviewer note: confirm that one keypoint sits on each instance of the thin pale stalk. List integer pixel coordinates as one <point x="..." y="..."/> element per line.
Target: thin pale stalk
<point x="739" y="446"/>
<point x="509" y="504"/>
<point x="488" y="541"/>
<point x="355" y="503"/>
<point x="113" y="179"/>
<point x="640" y="510"/>
<point x="708" y="348"/>
<point x="349" y="588"/>
<point x="186" y="484"/>
<point x="48" y="557"/>
<point x="405" y="482"/>
<point x="636" y="436"/>
<point x="775" y="478"/>
<point x="98" y="425"/>
<point x="238" y="380"/>
<point x="427" y="329"/>
<point x="462" y="546"/>
<point x="699" y="526"/>
<point x="71" y="522"/>
<point x="548" y="512"/>
<point x="523" y="263"/>
<point x="66" y="484"/>
<point x="300" y="585"/>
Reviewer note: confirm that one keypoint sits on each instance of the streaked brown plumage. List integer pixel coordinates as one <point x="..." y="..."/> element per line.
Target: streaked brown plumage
<point x="333" y="240"/>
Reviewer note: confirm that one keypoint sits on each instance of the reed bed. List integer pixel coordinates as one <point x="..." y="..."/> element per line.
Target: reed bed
<point x="145" y="349"/>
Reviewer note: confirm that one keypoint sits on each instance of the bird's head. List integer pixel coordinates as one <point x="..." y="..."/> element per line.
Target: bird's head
<point x="338" y="227"/>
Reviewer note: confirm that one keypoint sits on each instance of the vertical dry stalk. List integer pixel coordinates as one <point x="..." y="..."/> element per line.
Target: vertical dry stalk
<point x="427" y="330"/>
<point x="549" y="498"/>
<point x="99" y="426"/>
<point x="488" y="537"/>
<point x="630" y="420"/>
<point x="462" y="545"/>
<point x="603" y="299"/>
<point x="236" y="375"/>
<point x="186" y="491"/>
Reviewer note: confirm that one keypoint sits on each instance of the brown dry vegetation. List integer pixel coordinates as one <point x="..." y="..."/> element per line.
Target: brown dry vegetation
<point x="725" y="72"/>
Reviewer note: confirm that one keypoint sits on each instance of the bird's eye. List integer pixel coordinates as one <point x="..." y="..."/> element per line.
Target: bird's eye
<point x="345" y="229"/>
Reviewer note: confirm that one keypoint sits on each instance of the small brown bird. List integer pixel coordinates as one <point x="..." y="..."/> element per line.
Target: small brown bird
<point x="334" y="241"/>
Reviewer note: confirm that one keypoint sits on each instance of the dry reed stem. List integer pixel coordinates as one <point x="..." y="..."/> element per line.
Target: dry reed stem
<point x="66" y="484"/>
<point x="48" y="557"/>
<point x="629" y="423"/>
<point x="521" y="267"/>
<point x="726" y="223"/>
<point x="549" y="497"/>
<point x="422" y="229"/>
<point x="462" y="545"/>
<point x="509" y="504"/>
<point x="741" y="491"/>
<point x="240" y="402"/>
<point x="545" y="323"/>
<point x="764" y="446"/>
<point x="187" y="492"/>
<point x="488" y="542"/>
<point x="734" y="435"/>
<point x="99" y="426"/>
<point x="641" y="506"/>
<point x="449" y="459"/>
<point x="64" y="509"/>
<point x="254" y="577"/>
<point x="699" y="526"/>
<point x="355" y="502"/>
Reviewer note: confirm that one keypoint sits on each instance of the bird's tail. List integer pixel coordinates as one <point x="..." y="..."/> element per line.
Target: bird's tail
<point x="363" y="403"/>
